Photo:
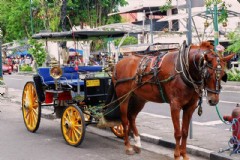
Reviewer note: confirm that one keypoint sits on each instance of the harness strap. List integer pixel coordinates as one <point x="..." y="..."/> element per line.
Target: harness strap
<point x="155" y="70"/>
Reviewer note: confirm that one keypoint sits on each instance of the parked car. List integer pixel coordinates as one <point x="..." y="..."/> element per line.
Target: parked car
<point x="6" y="68"/>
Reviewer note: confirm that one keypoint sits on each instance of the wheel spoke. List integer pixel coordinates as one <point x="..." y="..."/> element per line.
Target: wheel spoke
<point x="75" y="134"/>
<point x="78" y="130"/>
<point x="31" y="114"/>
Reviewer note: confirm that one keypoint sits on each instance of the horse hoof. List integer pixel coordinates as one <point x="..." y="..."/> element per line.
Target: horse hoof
<point x="130" y="151"/>
<point x="186" y="158"/>
<point x="137" y="149"/>
<point x="176" y="158"/>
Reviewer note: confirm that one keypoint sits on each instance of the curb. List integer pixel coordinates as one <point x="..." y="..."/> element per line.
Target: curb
<point x="197" y="151"/>
<point x="194" y="150"/>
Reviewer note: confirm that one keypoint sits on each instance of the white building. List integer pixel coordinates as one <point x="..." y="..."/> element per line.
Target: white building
<point x="181" y="19"/>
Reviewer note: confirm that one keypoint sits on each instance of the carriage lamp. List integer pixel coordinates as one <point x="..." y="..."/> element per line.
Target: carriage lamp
<point x="224" y="24"/>
<point x="56" y="73"/>
<point x="206" y="24"/>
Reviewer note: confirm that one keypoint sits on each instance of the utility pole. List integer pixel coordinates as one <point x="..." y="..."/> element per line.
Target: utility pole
<point x="1" y="71"/>
<point x="215" y="23"/>
<point x="151" y="26"/>
<point x="189" y="42"/>
<point x="31" y="16"/>
<point x="189" y="23"/>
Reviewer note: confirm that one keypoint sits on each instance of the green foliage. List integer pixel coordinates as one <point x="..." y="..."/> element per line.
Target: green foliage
<point x="167" y="6"/>
<point x="235" y="41"/>
<point x="15" y="17"/>
<point x="211" y="2"/>
<point x="37" y="51"/>
<point x="1" y="82"/>
<point x="233" y="75"/>
<point x="223" y="16"/>
<point x="128" y="41"/>
<point x="26" y="68"/>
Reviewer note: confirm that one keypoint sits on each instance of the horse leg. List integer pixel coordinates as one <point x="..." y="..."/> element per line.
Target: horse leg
<point x="135" y="106"/>
<point x="187" y="115"/>
<point x="126" y="128"/>
<point x="175" y="113"/>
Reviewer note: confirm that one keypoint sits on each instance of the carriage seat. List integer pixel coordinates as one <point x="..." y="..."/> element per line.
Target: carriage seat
<point x="69" y="76"/>
<point x="89" y="68"/>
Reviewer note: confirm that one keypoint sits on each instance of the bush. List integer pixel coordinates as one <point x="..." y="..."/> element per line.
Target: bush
<point x="26" y="68"/>
<point x="233" y="75"/>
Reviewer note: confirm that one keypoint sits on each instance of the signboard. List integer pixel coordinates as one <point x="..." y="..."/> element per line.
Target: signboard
<point x="93" y="83"/>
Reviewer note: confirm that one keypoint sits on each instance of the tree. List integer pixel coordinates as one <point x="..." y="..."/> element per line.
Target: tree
<point x="14" y="22"/>
<point x="15" y="15"/>
<point x="234" y="38"/>
<point x="37" y="51"/>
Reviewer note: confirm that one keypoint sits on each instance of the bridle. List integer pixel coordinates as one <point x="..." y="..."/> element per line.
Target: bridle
<point x="218" y="71"/>
<point x="202" y="66"/>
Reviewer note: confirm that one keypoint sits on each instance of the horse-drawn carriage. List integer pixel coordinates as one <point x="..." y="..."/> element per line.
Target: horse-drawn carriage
<point x="77" y="95"/>
<point x="135" y="79"/>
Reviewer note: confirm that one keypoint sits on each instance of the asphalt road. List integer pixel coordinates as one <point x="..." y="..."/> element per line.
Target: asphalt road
<point x="16" y="143"/>
<point x="228" y="101"/>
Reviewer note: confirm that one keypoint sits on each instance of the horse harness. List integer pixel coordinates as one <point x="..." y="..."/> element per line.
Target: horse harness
<point x="155" y="64"/>
<point x="182" y="67"/>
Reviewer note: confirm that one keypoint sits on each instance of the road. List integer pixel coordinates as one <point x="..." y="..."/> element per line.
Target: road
<point x="48" y="144"/>
<point x="228" y="101"/>
<point x="158" y="112"/>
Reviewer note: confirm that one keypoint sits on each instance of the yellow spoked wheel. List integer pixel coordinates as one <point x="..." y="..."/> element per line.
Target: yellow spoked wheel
<point x="118" y="131"/>
<point x="31" y="107"/>
<point x="73" y="125"/>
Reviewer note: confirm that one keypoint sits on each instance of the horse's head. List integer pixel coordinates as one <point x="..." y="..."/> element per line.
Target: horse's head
<point x="213" y="72"/>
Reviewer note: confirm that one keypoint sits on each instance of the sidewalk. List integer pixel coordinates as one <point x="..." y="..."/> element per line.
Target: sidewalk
<point x="207" y="140"/>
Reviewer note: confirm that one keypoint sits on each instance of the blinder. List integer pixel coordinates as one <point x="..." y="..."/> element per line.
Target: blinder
<point x="218" y="71"/>
<point x="225" y="77"/>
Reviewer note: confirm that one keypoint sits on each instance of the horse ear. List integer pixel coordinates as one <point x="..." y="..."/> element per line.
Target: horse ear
<point x="228" y="57"/>
<point x="225" y="77"/>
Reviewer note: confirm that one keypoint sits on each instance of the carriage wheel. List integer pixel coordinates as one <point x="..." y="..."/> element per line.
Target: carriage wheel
<point x="118" y="131"/>
<point x="73" y="125"/>
<point x="31" y="108"/>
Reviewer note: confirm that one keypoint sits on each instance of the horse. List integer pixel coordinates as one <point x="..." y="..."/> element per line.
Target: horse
<point x="191" y="71"/>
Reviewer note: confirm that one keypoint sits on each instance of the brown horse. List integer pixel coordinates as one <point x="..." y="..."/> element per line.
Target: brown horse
<point x="139" y="79"/>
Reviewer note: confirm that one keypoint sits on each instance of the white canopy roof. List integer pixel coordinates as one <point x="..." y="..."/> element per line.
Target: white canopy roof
<point x="202" y="14"/>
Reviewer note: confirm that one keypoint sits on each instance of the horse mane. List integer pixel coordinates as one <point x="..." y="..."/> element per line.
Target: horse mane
<point x="204" y="44"/>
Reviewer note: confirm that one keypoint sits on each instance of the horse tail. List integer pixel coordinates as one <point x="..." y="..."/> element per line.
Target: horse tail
<point x="112" y="111"/>
<point x="110" y="94"/>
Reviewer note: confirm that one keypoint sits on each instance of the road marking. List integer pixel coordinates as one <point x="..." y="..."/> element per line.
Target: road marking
<point x="16" y="79"/>
<point x="150" y="136"/>
<point x="231" y="91"/>
<point x="209" y="123"/>
<point x="225" y="101"/>
<point x="155" y="115"/>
